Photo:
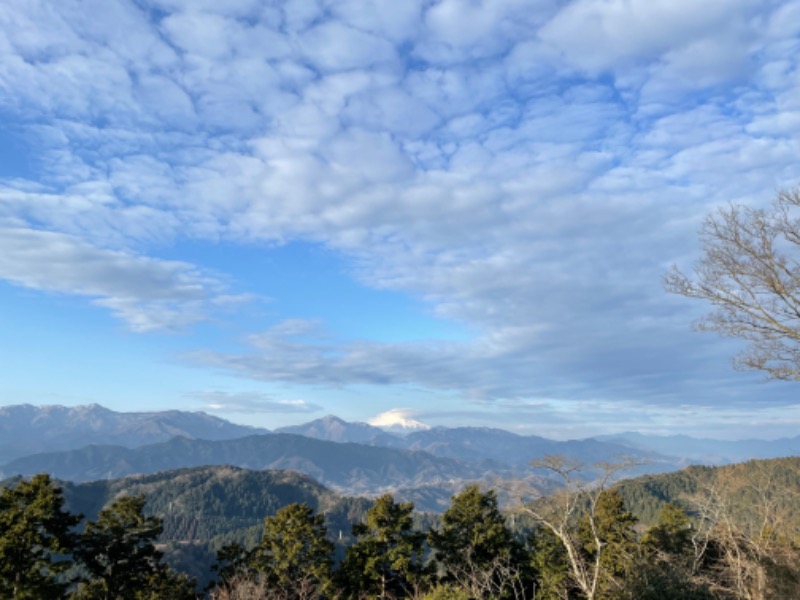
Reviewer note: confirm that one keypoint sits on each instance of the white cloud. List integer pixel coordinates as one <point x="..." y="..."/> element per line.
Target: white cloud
<point x="207" y="35"/>
<point x="251" y="402"/>
<point x="614" y="34"/>
<point x="478" y="158"/>
<point x="463" y="32"/>
<point x="334" y="46"/>
<point x="147" y="294"/>
<point x="397" y="21"/>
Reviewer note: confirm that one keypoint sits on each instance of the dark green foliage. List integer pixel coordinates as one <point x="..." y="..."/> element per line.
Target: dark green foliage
<point x="717" y="533"/>
<point x="295" y="555"/>
<point x="232" y="559"/>
<point x="447" y="592"/>
<point x="660" y="580"/>
<point x="35" y="537"/>
<point x="121" y="560"/>
<point x="474" y="546"/>
<point x="473" y="531"/>
<point x="195" y="559"/>
<point x="387" y="559"/>
<point x="613" y="526"/>
<point x="549" y="562"/>
<point x="646" y="496"/>
<point x="203" y="503"/>
<point x="744" y="520"/>
<point x="672" y="535"/>
<point x="207" y="508"/>
<point x="166" y="584"/>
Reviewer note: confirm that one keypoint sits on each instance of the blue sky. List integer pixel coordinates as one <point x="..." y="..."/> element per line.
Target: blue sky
<point x="461" y="209"/>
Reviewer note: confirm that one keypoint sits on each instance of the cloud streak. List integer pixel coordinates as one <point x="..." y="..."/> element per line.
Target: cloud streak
<point x="147" y="294"/>
<point x="251" y="402"/>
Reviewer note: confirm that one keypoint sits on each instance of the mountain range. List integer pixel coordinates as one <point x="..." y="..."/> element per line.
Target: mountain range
<point x="26" y="429"/>
<point x="347" y="468"/>
<point x="91" y="443"/>
<point x="707" y="451"/>
<point x="483" y="443"/>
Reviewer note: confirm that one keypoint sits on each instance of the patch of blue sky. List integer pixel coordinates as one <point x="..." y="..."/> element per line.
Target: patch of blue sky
<point x="17" y="159"/>
<point x="302" y="280"/>
<point x="65" y="351"/>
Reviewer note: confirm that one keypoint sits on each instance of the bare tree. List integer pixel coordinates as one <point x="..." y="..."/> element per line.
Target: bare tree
<point x="243" y="586"/>
<point x="500" y="578"/>
<point x="744" y="518"/>
<point x="560" y="512"/>
<point x="750" y="273"/>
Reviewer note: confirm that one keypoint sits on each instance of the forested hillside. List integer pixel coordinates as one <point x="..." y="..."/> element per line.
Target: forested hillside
<point x="203" y="509"/>
<point x="745" y="488"/>
<point x="703" y="533"/>
<point x="217" y="505"/>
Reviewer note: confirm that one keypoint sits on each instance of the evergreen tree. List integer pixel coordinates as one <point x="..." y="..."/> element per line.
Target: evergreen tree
<point x="475" y="548"/>
<point x="121" y="560"/>
<point x="233" y="560"/>
<point x="610" y="532"/>
<point x="295" y="555"/>
<point x="387" y="559"/>
<point x="672" y="535"/>
<point x="577" y="501"/>
<point x="658" y="580"/>
<point x="551" y="564"/>
<point x="35" y="540"/>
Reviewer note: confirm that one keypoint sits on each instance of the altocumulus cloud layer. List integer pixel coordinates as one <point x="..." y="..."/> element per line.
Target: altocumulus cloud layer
<point x="528" y="169"/>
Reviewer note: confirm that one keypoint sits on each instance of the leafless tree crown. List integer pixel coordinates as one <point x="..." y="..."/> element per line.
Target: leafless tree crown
<point x="750" y="273"/>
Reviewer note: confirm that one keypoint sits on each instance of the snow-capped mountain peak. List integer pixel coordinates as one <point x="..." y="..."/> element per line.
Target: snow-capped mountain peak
<point x="398" y="420"/>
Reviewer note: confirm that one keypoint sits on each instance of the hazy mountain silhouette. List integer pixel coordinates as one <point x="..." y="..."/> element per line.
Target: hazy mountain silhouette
<point x="347" y="468"/>
<point x="26" y="429"/>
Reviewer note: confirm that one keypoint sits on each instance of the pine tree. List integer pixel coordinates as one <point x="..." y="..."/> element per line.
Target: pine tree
<point x="121" y="560"/>
<point x="35" y="540"/>
<point x="610" y="532"/>
<point x="475" y="548"/>
<point x="295" y="555"/>
<point x="551" y="565"/>
<point x="672" y="535"/>
<point x="387" y="559"/>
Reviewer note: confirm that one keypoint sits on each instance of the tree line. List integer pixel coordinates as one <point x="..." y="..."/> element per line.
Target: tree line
<point x="580" y="543"/>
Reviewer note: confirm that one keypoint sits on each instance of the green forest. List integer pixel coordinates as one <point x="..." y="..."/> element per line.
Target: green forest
<point x="225" y="533"/>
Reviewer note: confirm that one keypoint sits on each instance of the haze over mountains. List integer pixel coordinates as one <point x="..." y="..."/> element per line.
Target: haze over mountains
<point x="91" y="442"/>
<point x="482" y="443"/>
<point x="471" y="444"/>
<point x="707" y="451"/>
<point x="26" y="429"/>
<point x="347" y="468"/>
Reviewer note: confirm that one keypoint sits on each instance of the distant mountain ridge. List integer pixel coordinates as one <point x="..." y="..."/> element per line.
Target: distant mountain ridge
<point x="476" y="445"/>
<point x="333" y="429"/>
<point x="91" y="442"/>
<point x="26" y="429"/>
<point x="347" y="468"/>
<point x="707" y="451"/>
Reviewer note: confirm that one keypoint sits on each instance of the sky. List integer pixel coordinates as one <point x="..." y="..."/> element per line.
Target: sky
<point x="461" y="211"/>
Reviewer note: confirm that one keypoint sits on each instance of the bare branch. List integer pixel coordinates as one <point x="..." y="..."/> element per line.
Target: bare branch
<point x="750" y="273"/>
<point x="559" y="512"/>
